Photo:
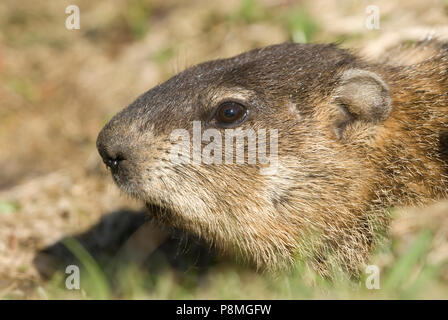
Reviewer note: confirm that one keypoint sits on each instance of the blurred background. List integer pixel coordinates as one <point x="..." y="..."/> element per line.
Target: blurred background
<point x="58" y="87"/>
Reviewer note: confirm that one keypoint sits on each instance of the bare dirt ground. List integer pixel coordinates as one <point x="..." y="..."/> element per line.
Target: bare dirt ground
<point x="58" y="87"/>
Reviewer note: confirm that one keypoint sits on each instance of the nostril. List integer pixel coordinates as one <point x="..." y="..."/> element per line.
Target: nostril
<point x="110" y="150"/>
<point x="113" y="162"/>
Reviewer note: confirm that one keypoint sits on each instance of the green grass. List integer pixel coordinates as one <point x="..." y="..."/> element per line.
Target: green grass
<point x="409" y="276"/>
<point x="8" y="207"/>
<point x="300" y="25"/>
<point x="249" y="11"/>
<point x="23" y="87"/>
<point x="163" y="55"/>
<point x="137" y="16"/>
<point x="95" y="281"/>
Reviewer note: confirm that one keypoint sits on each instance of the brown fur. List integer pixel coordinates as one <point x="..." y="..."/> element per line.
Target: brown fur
<point x="347" y="152"/>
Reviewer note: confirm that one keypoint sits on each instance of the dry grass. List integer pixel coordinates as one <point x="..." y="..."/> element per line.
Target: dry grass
<point x="58" y="87"/>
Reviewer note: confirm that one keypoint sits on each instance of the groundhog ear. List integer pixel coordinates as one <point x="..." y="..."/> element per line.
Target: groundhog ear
<point x="362" y="95"/>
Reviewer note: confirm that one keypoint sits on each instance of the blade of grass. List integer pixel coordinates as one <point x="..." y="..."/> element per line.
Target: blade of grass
<point x="401" y="271"/>
<point x="98" y="284"/>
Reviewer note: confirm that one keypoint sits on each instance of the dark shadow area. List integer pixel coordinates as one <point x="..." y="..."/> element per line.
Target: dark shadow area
<point x="443" y="146"/>
<point x="130" y="237"/>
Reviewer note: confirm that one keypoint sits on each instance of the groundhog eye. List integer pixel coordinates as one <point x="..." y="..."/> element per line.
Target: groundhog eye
<point x="230" y="114"/>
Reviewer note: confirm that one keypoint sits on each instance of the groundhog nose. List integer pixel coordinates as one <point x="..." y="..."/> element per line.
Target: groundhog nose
<point x="111" y="159"/>
<point x="111" y="153"/>
<point x="113" y="162"/>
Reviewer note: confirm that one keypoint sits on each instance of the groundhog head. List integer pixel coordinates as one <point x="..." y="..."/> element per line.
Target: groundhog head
<point x="263" y="155"/>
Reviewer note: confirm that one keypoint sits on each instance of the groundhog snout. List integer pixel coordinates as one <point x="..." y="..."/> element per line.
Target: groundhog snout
<point x="112" y="149"/>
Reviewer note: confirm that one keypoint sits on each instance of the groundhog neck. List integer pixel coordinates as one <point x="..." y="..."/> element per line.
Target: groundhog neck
<point x="414" y="141"/>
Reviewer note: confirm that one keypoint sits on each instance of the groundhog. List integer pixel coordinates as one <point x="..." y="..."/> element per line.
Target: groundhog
<point x="346" y="139"/>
